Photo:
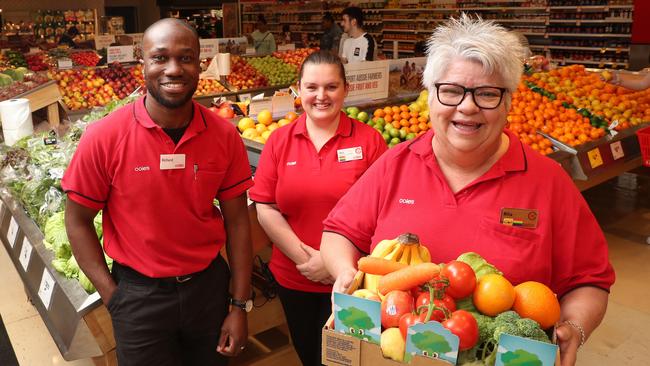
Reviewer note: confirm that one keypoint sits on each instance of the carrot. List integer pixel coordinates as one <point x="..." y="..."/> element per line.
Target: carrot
<point x="406" y="278"/>
<point x="379" y="266"/>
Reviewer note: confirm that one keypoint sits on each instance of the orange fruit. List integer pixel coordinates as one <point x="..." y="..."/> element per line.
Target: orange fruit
<point x="265" y="117"/>
<point x="291" y="116"/>
<point x="536" y="301"/>
<point x="493" y="294"/>
<point x="379" y="113"/>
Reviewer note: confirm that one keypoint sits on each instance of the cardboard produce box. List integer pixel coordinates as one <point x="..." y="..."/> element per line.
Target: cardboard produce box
<point x="342" y="349"/>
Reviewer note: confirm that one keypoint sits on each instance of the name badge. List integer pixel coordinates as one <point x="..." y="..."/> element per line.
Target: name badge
<point x="349" y="154"/>
<point x="172" y="161"/>
<point x="522" y="217"/>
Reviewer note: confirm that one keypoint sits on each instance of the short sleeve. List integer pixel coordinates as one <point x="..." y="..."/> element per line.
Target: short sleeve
<point x="266" y="175"/>
<point x="378" y="147"/>
<point x="86" y="180"/>
<point x="355" y="215"/>
<point x="580" y="253"/>
<point x="238" y="177"/>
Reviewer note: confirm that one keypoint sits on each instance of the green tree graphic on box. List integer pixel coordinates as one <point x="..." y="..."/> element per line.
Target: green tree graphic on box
<point x="430" y="343"/>
<point x="357" y="322"/>
<point x="520" y="358"/>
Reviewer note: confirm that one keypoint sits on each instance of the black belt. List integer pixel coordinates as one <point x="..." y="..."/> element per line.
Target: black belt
<point x="129" y="274"/>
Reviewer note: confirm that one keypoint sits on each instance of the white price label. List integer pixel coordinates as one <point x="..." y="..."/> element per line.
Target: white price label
<point x="64" y="63"/>
<point x="13" y="231"/>
<point x="617" y="150"/>
<point x="25" y="253"/>
<point x="46" y="288"/>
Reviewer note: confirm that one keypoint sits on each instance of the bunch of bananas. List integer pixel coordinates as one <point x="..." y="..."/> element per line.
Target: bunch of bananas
<point x="405" y="249"/>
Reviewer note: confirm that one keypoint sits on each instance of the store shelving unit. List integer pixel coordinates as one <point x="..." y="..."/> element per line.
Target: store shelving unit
<point x="597" y="33"/>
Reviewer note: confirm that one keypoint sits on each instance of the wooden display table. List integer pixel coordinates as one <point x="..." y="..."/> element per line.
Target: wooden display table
<point x="45" y="96"/>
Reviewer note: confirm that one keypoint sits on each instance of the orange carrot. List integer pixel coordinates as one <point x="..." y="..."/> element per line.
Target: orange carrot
<point x="379" y="266"/>
<point x="406" y="278"/>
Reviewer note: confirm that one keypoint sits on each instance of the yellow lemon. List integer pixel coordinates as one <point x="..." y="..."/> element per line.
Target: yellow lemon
<point x="250" y="133"/>
<point x="245" y="123"/>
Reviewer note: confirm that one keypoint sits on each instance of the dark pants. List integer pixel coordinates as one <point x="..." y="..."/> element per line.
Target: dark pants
<point x="306" y="314"/>
<point x="162" y="322"/>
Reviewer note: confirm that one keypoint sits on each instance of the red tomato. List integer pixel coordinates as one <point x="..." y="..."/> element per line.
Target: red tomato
<point x="465" y="327"/>
<point x="462" y="279"/>
<point x="406" y="321"/>
<point x="438" y="315"/>
<point x="395" y="304"/>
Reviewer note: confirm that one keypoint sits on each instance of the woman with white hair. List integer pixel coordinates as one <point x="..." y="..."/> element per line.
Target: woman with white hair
<point x="459" y="185"/>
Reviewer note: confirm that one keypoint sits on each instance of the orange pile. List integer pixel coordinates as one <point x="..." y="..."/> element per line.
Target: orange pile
<point x="531" y="112"/>
<point x="401" y="118"/>
<point x="587" y="90"/>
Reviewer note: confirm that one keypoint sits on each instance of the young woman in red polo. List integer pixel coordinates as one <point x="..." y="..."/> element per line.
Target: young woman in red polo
<point x="303" y="171"/>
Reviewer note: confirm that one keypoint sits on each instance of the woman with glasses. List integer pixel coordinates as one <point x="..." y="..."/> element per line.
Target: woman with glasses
<point x="470" y="185"/>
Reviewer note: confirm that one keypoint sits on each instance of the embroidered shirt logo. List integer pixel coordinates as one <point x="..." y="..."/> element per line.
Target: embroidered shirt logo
<point x="406" y="201"/>
<point x="142" y="168"/>
<point x="291" y="163"/>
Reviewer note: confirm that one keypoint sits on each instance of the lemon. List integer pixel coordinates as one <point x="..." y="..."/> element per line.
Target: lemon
<point x="245" y="123"/>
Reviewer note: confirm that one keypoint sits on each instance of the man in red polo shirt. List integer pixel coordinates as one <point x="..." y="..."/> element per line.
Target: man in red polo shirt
<point x="155" y="167"/>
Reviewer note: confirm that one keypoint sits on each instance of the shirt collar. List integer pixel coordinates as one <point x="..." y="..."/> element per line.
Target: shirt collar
<point x="344" y="129"/>
<point x="512" y="161"/>
<point x="197" y="124"/>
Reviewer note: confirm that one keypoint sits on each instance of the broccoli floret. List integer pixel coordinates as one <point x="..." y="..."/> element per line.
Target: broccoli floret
<point x="507" y="317"/>
<point x="485" y="326"/>
<point x="527" y="327"/>
<point x="508" y="328"/>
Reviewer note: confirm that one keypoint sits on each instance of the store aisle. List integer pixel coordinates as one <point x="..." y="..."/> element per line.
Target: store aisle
<point x="622" y="206"/>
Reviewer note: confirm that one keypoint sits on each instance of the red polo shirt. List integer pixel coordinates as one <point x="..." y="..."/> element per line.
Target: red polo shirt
<point x="156" y="221"/>
<point x="405" y="191"/>
<point x="306" y="184"/>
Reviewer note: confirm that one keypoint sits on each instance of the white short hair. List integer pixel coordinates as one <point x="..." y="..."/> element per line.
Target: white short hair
<point x="495" y="48"/>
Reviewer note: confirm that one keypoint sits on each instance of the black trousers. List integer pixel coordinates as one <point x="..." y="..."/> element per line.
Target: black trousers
<point x="306" y="314"/>
<point x="167" y="323"/>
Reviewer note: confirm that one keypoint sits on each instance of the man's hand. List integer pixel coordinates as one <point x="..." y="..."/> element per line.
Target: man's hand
<point x="234" y="333"/>
<point x="107" y="294"/>
<point x="568" y="338"/>
<point x="314" y="269"/>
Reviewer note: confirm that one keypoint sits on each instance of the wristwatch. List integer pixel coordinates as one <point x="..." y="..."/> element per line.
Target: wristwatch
<point x="246" y="305"/>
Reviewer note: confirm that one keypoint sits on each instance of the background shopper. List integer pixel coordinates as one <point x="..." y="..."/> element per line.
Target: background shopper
<point x="154" y="167"/>
<point x="262" y="39"/>
<point x="449" y="186"/>
<point x="331" y="37"/>
<point x="359" y="46"/>
<point x="304" y="169"/>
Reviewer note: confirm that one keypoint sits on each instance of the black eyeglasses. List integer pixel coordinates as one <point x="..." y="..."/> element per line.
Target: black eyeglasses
<point x="485" y="97"/>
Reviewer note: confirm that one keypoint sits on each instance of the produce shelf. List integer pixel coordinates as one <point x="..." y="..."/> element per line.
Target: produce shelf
<point x="62" y="303"/>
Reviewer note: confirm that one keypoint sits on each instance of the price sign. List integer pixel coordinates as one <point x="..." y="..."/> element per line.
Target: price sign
<point x="617" y="150"/>
<point x="64" y="63"/>
<point x="595" y="159"/>
<point x="25" y="253"/>
<point x="103" y="41"/>
<point x="46" y="288"/>
<point x="13" y="231"/>
<point x="120" y="54"/>
<point x="209" y="47"/>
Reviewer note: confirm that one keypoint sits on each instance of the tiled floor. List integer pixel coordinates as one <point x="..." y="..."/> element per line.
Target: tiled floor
<point x="622" y="206"/>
